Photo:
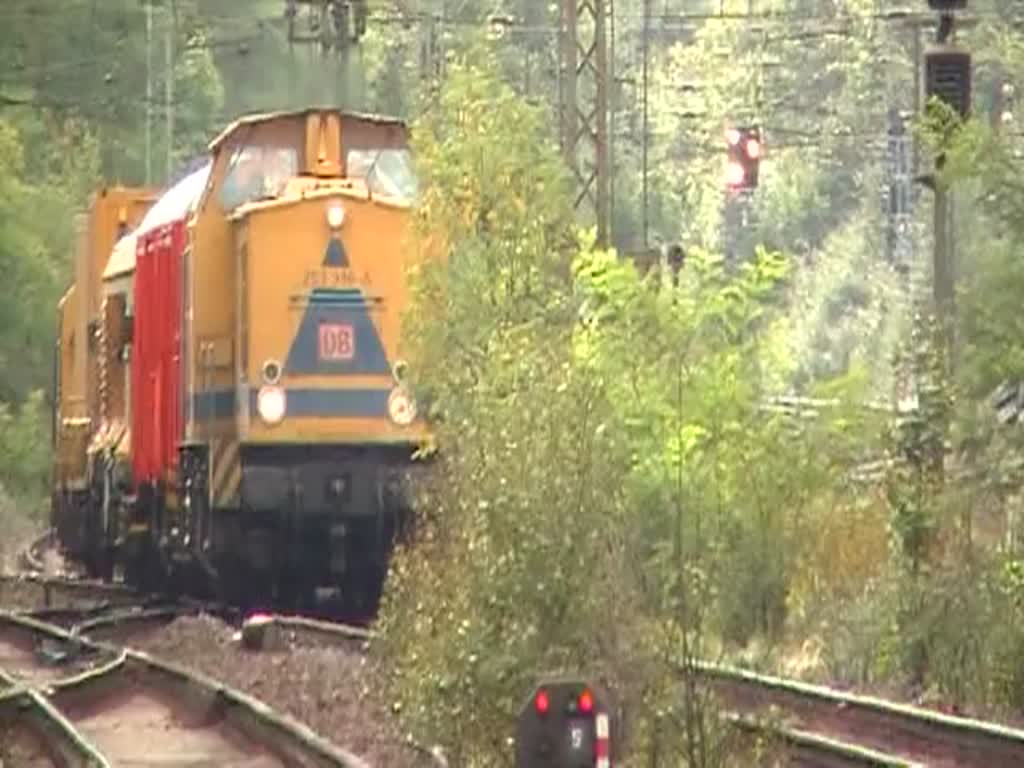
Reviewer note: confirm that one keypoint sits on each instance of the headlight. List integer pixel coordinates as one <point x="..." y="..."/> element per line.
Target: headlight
<point x="401" y="407"/>
<point x="335" y="215"/>
<point x="271" y="404"/>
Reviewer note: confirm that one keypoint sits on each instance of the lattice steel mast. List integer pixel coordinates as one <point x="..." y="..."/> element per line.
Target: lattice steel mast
<point x="584" y="75"/>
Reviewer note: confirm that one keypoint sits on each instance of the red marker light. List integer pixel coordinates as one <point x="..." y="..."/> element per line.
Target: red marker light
<point x="732" y="136"/>
<point x="542" y="702"/>
<point x="586" y="702"/>
<point x="753" y="148"/>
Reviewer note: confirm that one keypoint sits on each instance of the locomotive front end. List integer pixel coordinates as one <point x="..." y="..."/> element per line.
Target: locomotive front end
<point x="312" y="442"/>
<point x="321" y="288"/>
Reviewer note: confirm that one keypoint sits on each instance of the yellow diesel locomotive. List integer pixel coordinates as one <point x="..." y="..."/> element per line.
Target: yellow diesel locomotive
<point x="231" y="408"/>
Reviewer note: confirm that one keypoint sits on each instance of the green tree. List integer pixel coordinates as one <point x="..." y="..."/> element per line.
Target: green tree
<point x="609" y="496"/>
<point x="511" y="569"/>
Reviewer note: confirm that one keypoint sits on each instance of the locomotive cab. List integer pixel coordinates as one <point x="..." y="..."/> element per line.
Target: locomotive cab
<point x="275" y="430"/>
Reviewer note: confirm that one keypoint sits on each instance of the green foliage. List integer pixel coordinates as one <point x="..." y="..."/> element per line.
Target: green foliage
<point x="511" y="569"/>
<point x="821" y="93"/>
<point x="609" y="497"/>
<point x="609" y="493"/>
<point x="74" y="111"/>
<point x="919" y="448"/>
<point x="688" y="406"/>
<point x="88" y="62"/>
<point x="25" y="449"/>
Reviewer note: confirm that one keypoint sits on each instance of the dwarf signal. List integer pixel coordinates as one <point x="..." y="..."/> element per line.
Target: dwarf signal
<point x="567" y="723"/>
<point x="743" y="163"/>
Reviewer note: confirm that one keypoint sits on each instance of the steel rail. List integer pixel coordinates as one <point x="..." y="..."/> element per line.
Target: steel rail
<point x="877" y="723"/>
<point x="805" y="748"/>
<point x="295" y="743"/>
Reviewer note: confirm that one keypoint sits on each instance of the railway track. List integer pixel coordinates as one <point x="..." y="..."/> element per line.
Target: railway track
<point x="100" y="615"/>
<point x="823" y="727"/>
<point x="66" y="699"/>
<point x="814" y="726"/>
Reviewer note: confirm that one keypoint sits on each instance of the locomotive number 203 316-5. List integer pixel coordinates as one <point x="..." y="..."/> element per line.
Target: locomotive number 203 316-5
<point x="337" y="341"/>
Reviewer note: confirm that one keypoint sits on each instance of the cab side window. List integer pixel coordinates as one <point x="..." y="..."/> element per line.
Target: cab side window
<point x="257" y="172"/>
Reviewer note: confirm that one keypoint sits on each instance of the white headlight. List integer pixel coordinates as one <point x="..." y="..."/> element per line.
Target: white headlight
<point x="335" y="215"/>
<point x="401" y="407"/>
<point x="271" y="404"/>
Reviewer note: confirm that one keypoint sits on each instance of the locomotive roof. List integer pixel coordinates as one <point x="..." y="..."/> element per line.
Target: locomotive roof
<point x="268" y="116"/>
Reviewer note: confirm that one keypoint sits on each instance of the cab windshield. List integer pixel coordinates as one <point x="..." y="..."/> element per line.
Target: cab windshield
<point x="258" y="172"/>
<point x="386" y="172"/>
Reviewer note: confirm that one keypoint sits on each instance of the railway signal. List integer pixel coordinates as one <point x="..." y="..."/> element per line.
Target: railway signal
<point x="948" y="77"/>
<point x="947" y="67"/>
<point x="744" y="157"/>
<point x="566" y="723"/>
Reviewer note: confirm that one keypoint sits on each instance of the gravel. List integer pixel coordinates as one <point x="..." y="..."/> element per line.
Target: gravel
<point x="20" y="530"/>
<point x="331" y="690"/>
<point x="19" y="749"/>
<point x="20" y="595"/>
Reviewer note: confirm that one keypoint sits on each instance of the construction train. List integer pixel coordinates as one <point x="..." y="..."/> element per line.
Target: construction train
<point x="231" y="414"/>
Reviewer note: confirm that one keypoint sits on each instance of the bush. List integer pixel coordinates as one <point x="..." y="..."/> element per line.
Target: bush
<point x="25" y="449"/>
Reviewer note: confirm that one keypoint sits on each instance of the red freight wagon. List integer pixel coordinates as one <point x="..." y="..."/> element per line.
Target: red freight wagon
<point x="156" y="356"/>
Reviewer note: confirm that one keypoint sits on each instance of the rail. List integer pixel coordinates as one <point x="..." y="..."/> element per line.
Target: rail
<point x="884" y="732"/>
<point x="43" y="706"/>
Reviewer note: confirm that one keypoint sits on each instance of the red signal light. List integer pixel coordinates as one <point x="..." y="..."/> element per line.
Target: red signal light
<point x="542" y="702"/>
<point x="753" y="148"/>
<point x="586" y="702"/>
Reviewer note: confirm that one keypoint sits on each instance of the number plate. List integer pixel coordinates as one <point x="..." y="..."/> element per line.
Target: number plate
<point x="337" y="342"/>
<point x="580" y="739"/>
<point x="576" y="737"/>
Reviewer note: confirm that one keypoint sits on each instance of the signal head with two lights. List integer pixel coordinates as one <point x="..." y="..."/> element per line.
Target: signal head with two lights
<point x="743" y="164"/>
<point x="566" y="723"/>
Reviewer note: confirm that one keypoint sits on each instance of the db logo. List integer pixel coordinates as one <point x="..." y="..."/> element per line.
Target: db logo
<point x="337" y="342"/>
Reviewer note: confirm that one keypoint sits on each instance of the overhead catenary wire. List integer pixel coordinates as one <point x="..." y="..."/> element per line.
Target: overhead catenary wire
<point x="263" y="22"/>
<point x="388" y="10"/>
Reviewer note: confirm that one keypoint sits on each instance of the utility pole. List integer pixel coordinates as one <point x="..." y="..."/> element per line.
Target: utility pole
<point x="431" y="55"/>
<point x="613" y="108"/>
<point x="916" y="32"/>
<point x="149" y="90"/>
<point x="170" y="39"/>
<point x="583" y="104"/>
<point x="948" y="79"/>
<point x="646" y="45"/>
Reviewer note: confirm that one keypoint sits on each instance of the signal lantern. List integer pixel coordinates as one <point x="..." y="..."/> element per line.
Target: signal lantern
<point x="586" y="702"/>
<point x="744" y="157"/>
<point x="542" y="702"/>
<point x="734" y="174"/>
<point x="948" y="77"/>
<point x="566" y="722"/>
